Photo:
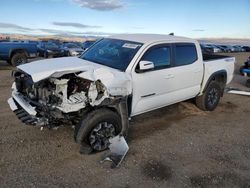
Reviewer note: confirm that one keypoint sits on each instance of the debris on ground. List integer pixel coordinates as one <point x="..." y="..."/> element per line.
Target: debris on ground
<point x="237" y="92"/>
<point x="118" y="149"/>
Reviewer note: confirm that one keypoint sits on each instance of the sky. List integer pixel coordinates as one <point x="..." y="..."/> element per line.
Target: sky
<point x="190" y="18"/>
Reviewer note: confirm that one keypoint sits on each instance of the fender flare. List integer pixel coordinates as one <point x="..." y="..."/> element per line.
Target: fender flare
<point x="213" y="76"/>
<point x="119" y="106"/>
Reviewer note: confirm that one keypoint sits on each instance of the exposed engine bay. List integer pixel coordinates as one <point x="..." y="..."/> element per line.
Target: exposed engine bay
<point x="59" y="100"/>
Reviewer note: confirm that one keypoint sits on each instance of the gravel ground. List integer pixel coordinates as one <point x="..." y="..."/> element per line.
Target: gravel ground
<point x="176" y="146"/>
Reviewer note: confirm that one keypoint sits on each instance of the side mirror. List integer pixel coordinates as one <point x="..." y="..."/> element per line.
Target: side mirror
<point x="146" y="65"/>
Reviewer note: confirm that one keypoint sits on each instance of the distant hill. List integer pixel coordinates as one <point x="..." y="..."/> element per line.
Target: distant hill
<point x="84" y="38"/>
<point x="226" y="41"/>
<point x="55" y="37"/>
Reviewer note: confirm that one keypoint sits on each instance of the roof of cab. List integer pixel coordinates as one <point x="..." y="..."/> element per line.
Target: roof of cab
<point x="150" y="38"/>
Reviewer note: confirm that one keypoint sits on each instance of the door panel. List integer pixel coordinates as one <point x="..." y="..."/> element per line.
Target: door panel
<point x="165" y="86"/>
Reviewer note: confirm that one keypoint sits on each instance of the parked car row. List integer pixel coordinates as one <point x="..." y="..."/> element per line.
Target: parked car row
<point x="222" y="48"/>
<point x="18" y="52"/>
<point x="72" y="49"/>
<point x="53" y="49"/>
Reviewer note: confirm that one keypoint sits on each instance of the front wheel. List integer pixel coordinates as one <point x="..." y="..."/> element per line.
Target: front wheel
<point x="210" y="98"/>
<point x="97" y="128"/>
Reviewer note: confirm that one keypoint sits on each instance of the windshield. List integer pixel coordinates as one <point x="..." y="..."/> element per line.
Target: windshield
<point x="112" y="53"/>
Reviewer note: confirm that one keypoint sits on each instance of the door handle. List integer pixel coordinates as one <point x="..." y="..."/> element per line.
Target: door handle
<point x="169" y="76"/>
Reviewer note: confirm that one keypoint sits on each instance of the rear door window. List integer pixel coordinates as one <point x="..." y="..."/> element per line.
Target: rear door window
<point x="185" y="54"/>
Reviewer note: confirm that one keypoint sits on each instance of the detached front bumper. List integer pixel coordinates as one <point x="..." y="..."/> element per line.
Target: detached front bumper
<point x="24" y="110"/>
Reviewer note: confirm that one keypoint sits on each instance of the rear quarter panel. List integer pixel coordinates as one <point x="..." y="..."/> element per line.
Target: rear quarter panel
<point x="213" y="66"/>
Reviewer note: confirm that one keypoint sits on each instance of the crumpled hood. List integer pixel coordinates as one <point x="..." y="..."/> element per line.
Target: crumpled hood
<point x="43" y="69"/>
<point x="57" y="67"/>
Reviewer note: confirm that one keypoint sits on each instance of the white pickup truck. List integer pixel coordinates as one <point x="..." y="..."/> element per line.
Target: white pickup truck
<point x="115" y="79"/>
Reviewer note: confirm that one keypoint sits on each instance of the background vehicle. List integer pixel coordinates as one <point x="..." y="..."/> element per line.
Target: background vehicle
<point x="71" y="49"/>
<point x="206" y="49"/>
<point x="214" y="48"/>
<point x="210" y="48"/>
<point x="87" y="44"/>
<point x="31" y="42"/>
<point x="227" y="48"/>
<point x="118" y="77"/>
<point x="246" y="48"/>
<point x="238" y="48"/>
<point x="16" y="53"/>
<point x="49" y="49"/>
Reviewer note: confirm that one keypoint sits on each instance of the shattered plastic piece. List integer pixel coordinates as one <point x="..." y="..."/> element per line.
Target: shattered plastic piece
<point x="118" y="150"/>
<point x="238" y="92"/>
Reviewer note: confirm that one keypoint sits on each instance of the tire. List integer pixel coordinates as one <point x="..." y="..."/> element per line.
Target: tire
<point x="18" y="59"/>
<point x="68" y="54"/>
<point x="97" y="127"/>
<point x="248" y="83"/>
<point x="210" y="98"/>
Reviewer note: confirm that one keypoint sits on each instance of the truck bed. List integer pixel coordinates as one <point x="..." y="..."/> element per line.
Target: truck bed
<point x="214" y="63"/>
<point x="210" y="57"/>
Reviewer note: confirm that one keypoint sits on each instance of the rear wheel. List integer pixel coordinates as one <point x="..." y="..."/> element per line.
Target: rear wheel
<point x="97" y="128"/>
<point x="210" y="98"/>
<point x="18" y="59"/>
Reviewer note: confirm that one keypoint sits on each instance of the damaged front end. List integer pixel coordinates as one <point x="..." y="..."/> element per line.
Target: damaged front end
<point x="62" y="98"/>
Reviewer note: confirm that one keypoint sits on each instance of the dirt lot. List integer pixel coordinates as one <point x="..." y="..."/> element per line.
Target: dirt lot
<point x="177" y="146"/>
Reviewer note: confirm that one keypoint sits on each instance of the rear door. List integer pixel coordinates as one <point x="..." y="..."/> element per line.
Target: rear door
<point x="187" y="71"/>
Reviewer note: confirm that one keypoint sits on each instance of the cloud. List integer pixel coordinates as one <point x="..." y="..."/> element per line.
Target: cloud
<point x="60" y="32"/>
<point x="68" y="33"/>
<point x="14" y="26"/>
<point x="102" y="5"/>
<point x="199" y="30"/>
<point x="26" y="30"/>
<point x="72" y="24"/>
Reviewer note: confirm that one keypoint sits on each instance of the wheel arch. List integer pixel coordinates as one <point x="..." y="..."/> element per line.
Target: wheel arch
<point x="120" y="108"/>
<point x="218" y="76"/>
<point x="17" y="50"/>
